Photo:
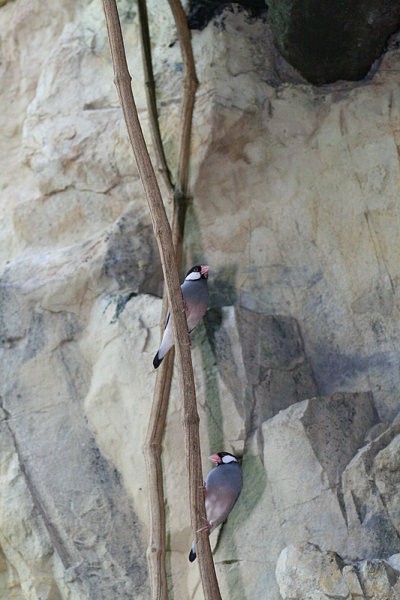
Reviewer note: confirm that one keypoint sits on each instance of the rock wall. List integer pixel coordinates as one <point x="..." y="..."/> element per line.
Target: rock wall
<point x="295" y="208"/>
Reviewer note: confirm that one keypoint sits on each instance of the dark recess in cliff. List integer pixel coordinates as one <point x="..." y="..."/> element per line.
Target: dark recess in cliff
<point x="202" y="11"/>
<point x="328" y="41"/>
<point x="325" y="41"/>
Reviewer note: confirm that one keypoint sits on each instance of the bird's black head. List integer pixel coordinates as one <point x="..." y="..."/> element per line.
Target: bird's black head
<point x="197" y="272"/>
<point x="223" y="458"/>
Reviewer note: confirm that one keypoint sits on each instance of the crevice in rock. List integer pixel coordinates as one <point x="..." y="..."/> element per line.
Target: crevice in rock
<point x="132" y="257"/>
<point x="201" y="12"/>
<point x="360" y="506"/>
<point x="328" y="42"/>
<point x="342" y="505"/>
<point x="64" y="554"/>
<point x="122" y="301"/>
<point x="10" y="342"/>
<point x="360" y="581"/>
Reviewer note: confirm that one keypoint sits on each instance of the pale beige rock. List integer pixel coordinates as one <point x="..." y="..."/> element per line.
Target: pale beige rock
<point x="306" y="448"/>
<point x="235" y="395"/>
<point x="295" y="208"/>
<point x="370" y="496"/>
<point x="394" y="561"/>
<point x="353" y="583"/>
<point x="305" y="572"/>
<point x="376" y="431"/>
<point x="297" y="187"/>
<point x="120" y="350"/>
<point x="29" y="567"/>
<point x="379" y="580"/>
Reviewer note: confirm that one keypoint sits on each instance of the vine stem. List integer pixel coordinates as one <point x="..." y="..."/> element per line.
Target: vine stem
<point x="163" y="236"/>
<point x="152" y="448"/>
<point x="151" y="96"/>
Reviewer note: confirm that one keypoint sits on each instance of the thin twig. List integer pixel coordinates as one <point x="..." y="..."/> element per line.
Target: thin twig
<point x="182" y="344"/>
<point x="190" y="84"/>
<point x="152" y="449"/>
<point x="151" y="96"/>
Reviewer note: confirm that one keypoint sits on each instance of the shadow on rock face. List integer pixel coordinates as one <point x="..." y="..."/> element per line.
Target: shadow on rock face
<point x="132" y="257"/>
<point x="275" y="374"/>
<point x="202" y="11"/>
<point x="331" y="41"/>
<point x="222" y="286"/>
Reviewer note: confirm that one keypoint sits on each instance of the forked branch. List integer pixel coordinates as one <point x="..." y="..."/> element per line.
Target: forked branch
<point x="190" y="85"/>
<point x="164" y="240"/>
<point x="151" y="96"/>
<point x="152" y="449"/>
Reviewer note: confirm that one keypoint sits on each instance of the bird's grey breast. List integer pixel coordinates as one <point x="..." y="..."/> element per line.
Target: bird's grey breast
<point x="195" y="290"/>
<point x="223" y="486"/>
<point x="226" y="476"/>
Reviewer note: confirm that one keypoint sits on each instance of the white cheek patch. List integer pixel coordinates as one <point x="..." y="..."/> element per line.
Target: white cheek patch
<point x="193" y="276"/>
<point x="228" y="459"/>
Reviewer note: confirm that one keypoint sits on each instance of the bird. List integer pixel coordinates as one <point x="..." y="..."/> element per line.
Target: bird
<point x="221" y="488"/>
<point x="195" y="299"/>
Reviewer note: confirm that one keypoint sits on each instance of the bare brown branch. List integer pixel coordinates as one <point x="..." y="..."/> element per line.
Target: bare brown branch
<point x="164" y="240"/>
<point x="151" y="96"/>
<point x="190" y="84"/>
<point x="156" y="552"/>
<point x="152" y="448"/>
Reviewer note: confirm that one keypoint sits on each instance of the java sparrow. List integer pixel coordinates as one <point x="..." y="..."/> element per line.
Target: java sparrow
<point x="195" y="299"/>
<point x="222" y="488"/>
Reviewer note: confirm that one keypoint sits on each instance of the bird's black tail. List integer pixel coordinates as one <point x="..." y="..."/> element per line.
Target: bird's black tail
<point x="157" y="361"/>
<point x="192" y="555"/>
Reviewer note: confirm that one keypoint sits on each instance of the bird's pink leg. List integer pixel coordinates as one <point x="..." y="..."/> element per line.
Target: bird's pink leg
<point x="206" y="527"/>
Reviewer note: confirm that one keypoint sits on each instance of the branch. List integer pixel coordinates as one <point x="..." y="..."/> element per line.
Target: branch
<point x="181" y="335"/>
<point x="151" y="95"/>
<point x="190" y="84"/>
<point x="156" y="550"/>
<point x="152" y="449"/>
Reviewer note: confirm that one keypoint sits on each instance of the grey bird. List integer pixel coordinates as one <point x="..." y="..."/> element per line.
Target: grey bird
<point x="222" y="488"/>
<point x="195" y="299"/>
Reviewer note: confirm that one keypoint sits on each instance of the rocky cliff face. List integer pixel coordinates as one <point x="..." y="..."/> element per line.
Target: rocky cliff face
<point x="295" y="207"/>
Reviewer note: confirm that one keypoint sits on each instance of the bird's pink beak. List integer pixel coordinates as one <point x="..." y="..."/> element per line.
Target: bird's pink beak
<point x="214" y="458"/>
<point x="204" y="270"/>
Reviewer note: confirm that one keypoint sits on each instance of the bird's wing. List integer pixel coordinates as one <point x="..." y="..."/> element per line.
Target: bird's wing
<point x="218" y="506"/>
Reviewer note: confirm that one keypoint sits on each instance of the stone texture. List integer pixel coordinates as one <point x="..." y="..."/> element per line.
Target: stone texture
<point x="296" y="198"/>
<point x="367" y="527"/>
<point x="394" y="561"/>
<point x="29" y="566"/>
<point x="132" y="257"/>
<point x="371" y="499"/>
<point x="261" y="361"/>
<point x="295" y="207"/>
<point x="306" y="450"/>
<point x="83" y="507"/>
<point x="379" y="580"/>
<point x="305" y="572"/>
<point x="200" y="12"/>
<point x="234" y="395"/>
<point x="331" y="41"/>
